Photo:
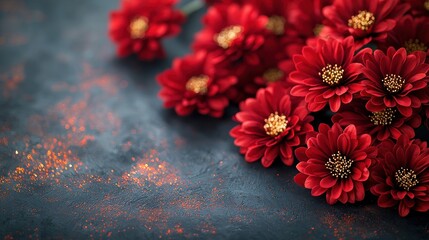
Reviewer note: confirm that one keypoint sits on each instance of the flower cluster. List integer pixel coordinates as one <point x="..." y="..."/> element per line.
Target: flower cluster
<point x="138" y="27"/>
<point x="362" y="63"/>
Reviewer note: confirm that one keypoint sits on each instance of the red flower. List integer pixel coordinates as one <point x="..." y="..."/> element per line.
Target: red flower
<point x="395" y="79"/>
<point x="426" y="116"/>
<point x="306" y="17"/>
<point x="211" y="2"/>
<point x="401" y="176"/>
<point x="273" y="74"/>
<point x="380" y="125"/>
<point x="365" y="20"/>
<point x="270" y="126"/>
<point x="259" y="77"/>
<point x="139" y="26"/>
<point x="418" y="7"/>
<point x="232" y="34"/>
<point x="278" y="13"/>
<point x="411" y="34"/>
<point x="276" y="65"/>
<point x="336" y="162"/>
<point x="326" y="74"/>
<point x="194" y="84"/>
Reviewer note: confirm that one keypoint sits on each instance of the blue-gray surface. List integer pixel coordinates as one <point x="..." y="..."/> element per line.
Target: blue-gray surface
<point x="87" y="151"/>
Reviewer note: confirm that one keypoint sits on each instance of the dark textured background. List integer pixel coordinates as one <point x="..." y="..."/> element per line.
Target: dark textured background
<point x="87" y="151"/>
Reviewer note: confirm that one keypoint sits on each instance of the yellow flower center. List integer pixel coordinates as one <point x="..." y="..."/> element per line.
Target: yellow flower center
<point x="276" y="24"/>
<point x="273" y="75"/>
<point x="332" y="74"/>
<point x="138" y="27"/>
<point x="427" y="5"/>
<point x="406" y="178"/>
<point x="198" y="84"/>
<point x="363" y="20"/>
<point x="275" y="124"/>
<point x="339" y="165"/>
<point x="393" y="83"/>
<point x="413" y="45"/>
<point x="225" y="38"/>
<point x="317" y="29"/>
<point x="384" y="117"/>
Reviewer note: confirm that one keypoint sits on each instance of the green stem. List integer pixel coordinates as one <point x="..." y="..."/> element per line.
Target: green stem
<point x="192" y="7"/>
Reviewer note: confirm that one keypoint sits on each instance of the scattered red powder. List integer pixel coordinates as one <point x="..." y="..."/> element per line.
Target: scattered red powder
<point x="15" y="14"/>
<point x="44" y="162"/>
<point x="4" y="141"/>
<point x="149" y="169"/>
<point x="342" y="227"/>
<point x="11" y="79"/>
<point x="207" y="228"/>
<point x="47" y="155"/>
<point x="180" y="142"/>
<point x="126" y="146"/>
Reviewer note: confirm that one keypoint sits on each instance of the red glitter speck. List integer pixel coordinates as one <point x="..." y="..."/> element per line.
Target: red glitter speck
<point x="11" y="79"/>
<point x="149" y="169"/>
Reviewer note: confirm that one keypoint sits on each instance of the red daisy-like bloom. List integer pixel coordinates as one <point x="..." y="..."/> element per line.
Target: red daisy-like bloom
<point x="411" y="34"/>
<point x="380" y="125"/>
<point x="139" y="26"/>
<point x="326" y="74"/>
<point x="395" y="79"/>
<point x="419" y="7"/>
<point x="232" y="34"/>
<point x="193" y="83"/>
<point x="278" y="13"/>
<point x="273" y="74"/>
<point x="401" y="177"/>
<point x="211" y="2"/>
<point x="426" y="116"/>
<point x="270" y="126"/>
<point x="306" y="17"/>
<point x="336" y="162"/>
<point x="276" y="65"/>
<point x="251" y="81"/>
<point x="365" y="20"/>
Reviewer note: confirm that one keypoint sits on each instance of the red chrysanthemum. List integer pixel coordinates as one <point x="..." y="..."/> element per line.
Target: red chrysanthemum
<point x="274" y="73"/>
<point x="380" y="125"/>
<point x="193" y="83"/>
<point x="256" y="78"/>
<point x="306" y="17"/>
<point x="411" y="34"/>
<point x="419" y="7"/>
<point x="232" y="34"/>
<point x="276" y="65"/>
<point x="326" y="74"/>
<point x="278" y="13"/>
<point x="401" y="177"/>
<point x="336" y="162"/>
<point x="426" y="116"/>
<point x="211" y="2"/>
<point x="395" y="79"/>
<point x="270" y="126"/>
<point x="139" y="26"/>
<point x="365" y="20"/>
